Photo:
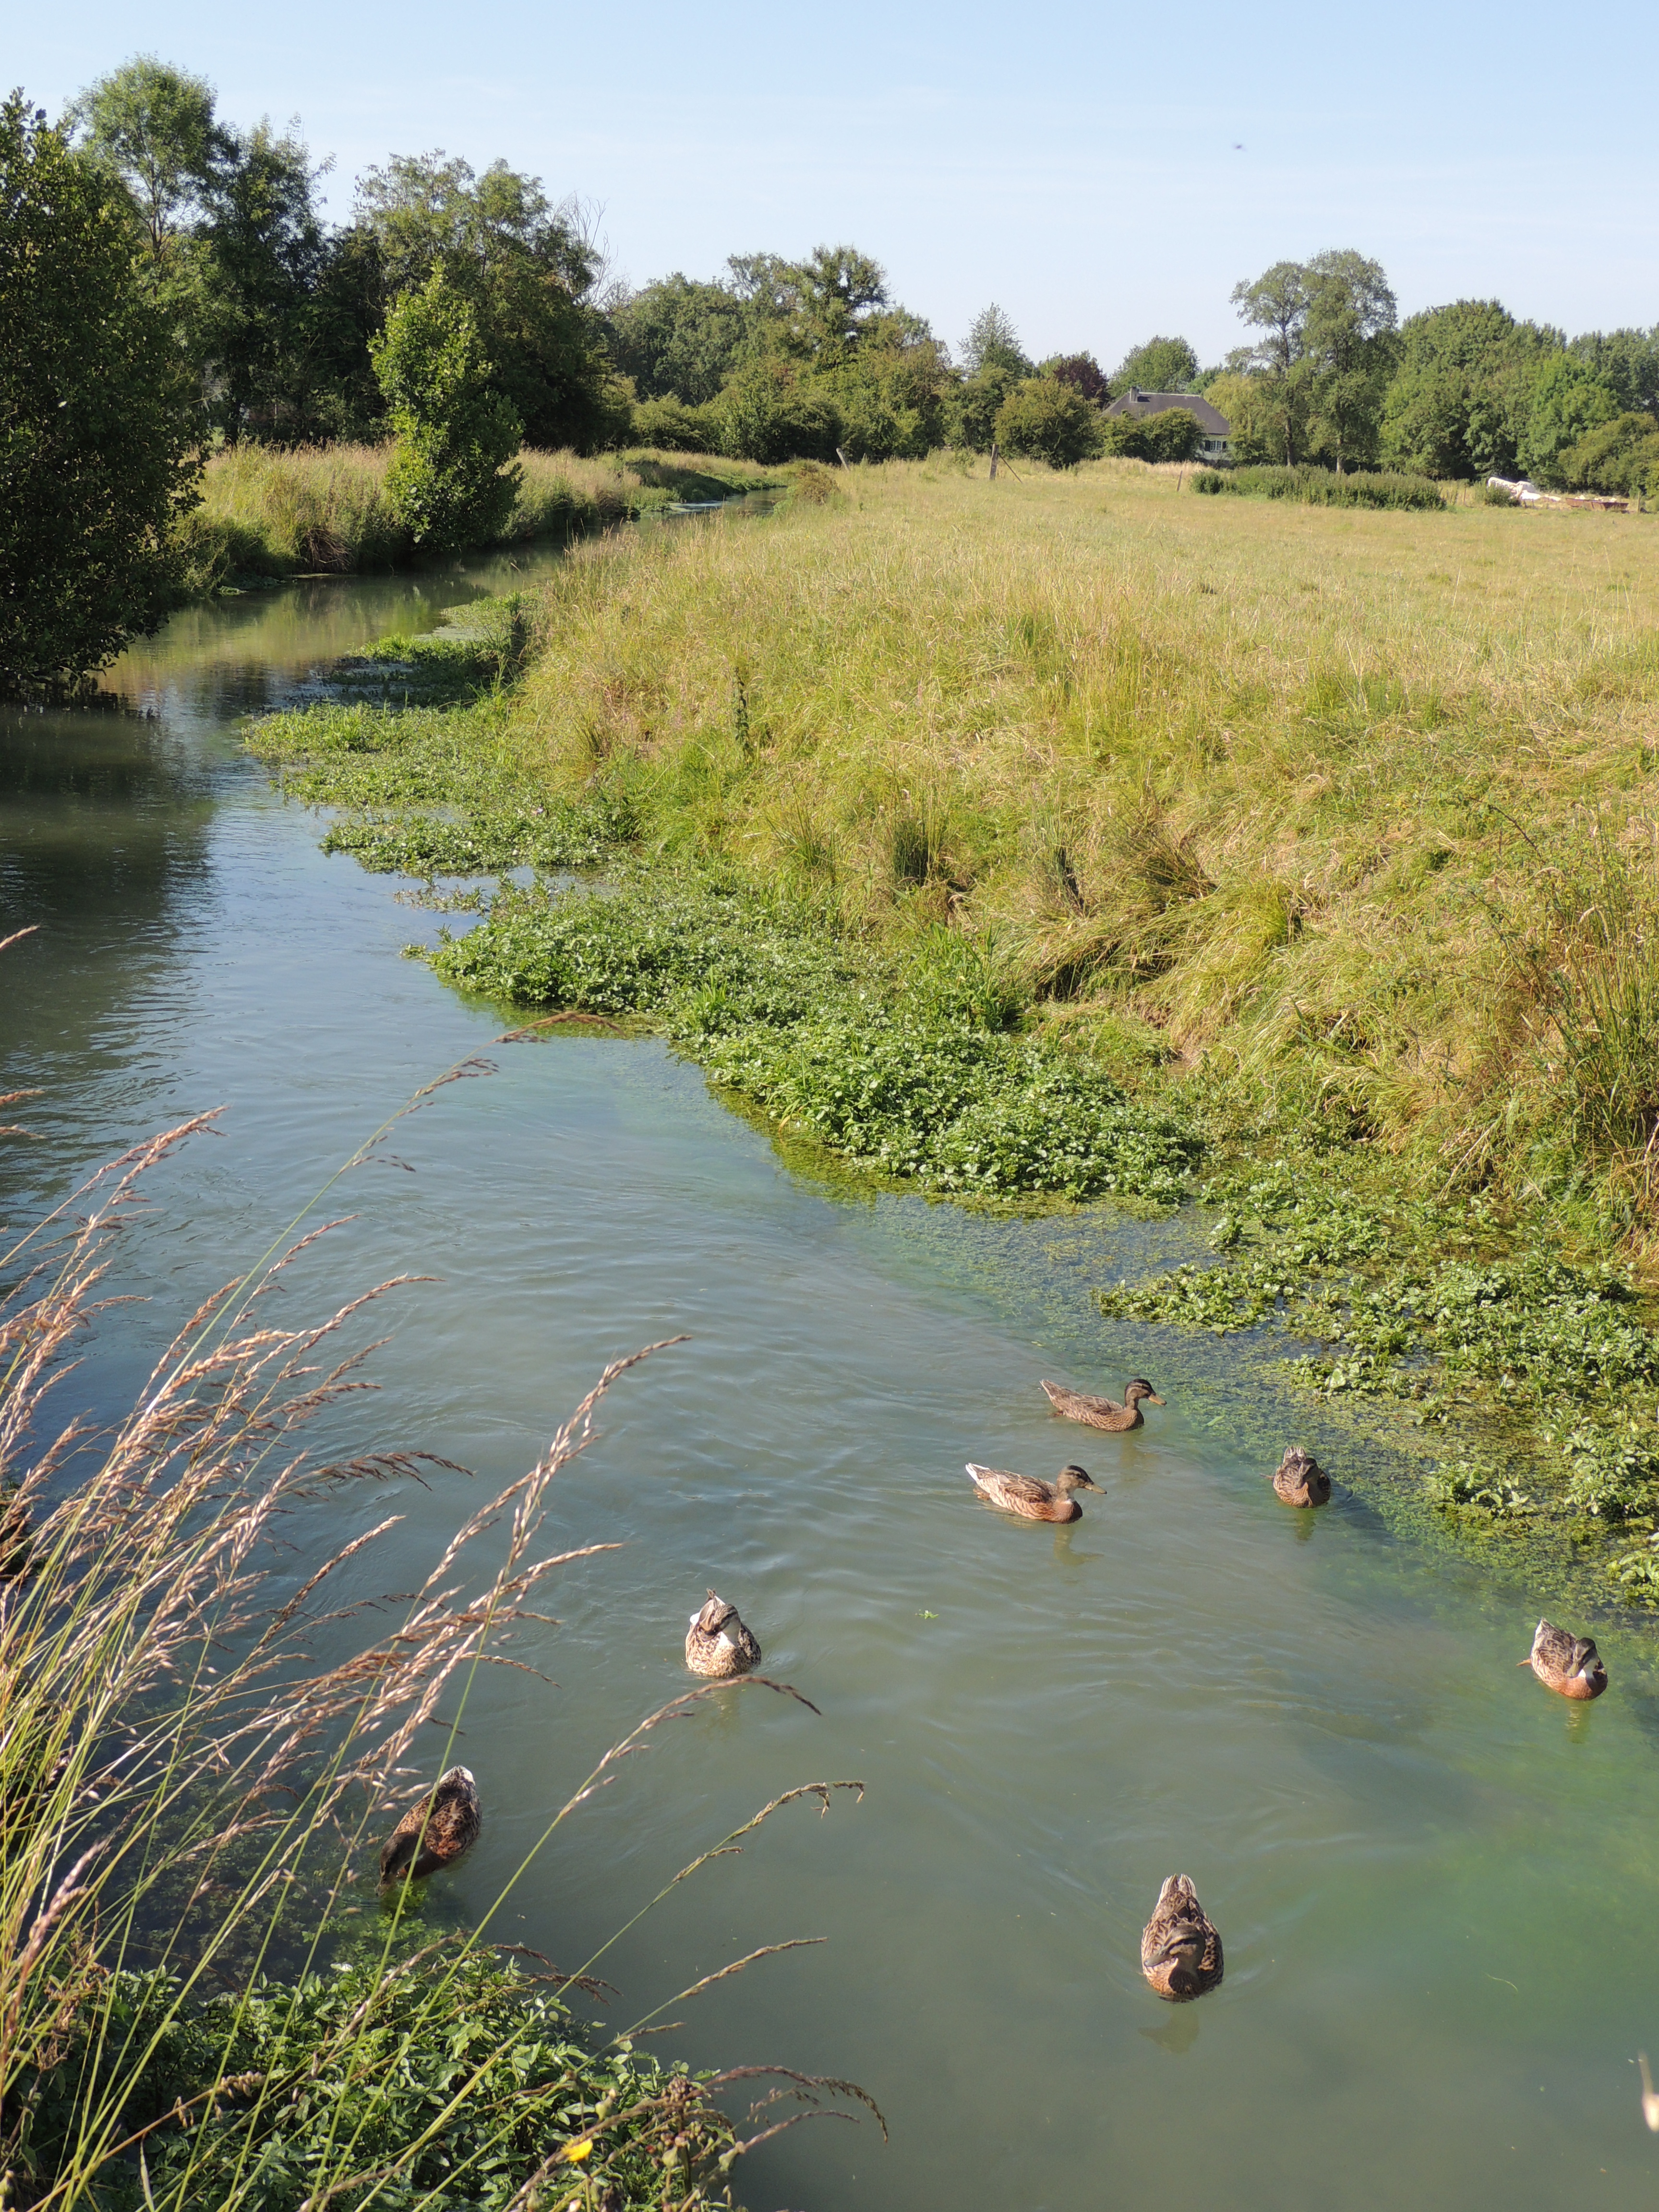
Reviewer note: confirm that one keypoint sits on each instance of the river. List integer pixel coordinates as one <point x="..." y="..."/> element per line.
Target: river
<point x="1434" y="1880"/>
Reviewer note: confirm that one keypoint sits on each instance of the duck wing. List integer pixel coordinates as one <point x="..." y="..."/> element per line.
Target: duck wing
<point x="1016" y="1493"/>
<point x="1552" y="1647"/>
<point x="1076" y="1406"/>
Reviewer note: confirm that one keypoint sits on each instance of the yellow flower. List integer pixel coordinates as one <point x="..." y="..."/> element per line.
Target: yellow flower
<point x="578" y="2152"/>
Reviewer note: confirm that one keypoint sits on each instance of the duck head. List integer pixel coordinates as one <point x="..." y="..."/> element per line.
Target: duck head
<point x="1074" y="1477"/>
<point x="457" y="1778"/>
<point x="715" y="1616"/>
<point x="1138" y="1390"/>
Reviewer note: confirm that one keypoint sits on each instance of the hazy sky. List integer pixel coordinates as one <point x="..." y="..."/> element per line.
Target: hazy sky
<point x="1103" y="172"/>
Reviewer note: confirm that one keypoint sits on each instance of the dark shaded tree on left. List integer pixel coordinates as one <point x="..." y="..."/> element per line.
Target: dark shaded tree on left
<point x="98" y="452"/>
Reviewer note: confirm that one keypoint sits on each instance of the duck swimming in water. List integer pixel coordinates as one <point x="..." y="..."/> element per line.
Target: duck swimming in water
<point x="718" y="1643"/>
<point x="439" y="1831"/>
<point x="1105" y="1413"/>
<point x="1299" y="1479"/>
<point x="1180" y="1947"/>
<point x="1570" y="1665"/>
<point x="1024" y="1495"/>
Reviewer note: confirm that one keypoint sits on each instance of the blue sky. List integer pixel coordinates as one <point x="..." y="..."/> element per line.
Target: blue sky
<point x="1103" y="172"/>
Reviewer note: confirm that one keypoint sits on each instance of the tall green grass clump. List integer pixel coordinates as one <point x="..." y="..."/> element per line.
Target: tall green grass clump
<point x="1317" y="487"/>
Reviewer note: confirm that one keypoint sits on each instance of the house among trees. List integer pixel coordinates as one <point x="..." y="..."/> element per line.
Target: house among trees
<point x="1215" y="432"/>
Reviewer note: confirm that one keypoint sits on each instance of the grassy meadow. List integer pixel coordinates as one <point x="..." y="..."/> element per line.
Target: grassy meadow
<point x="271" y="513"/>
<point x="1074" y="834"/>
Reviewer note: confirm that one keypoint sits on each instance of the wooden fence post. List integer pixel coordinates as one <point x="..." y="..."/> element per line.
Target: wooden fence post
<point x="994" y="460"/>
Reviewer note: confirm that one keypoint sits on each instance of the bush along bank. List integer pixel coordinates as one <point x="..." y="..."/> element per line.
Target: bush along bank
<point x="1316" y="487"/>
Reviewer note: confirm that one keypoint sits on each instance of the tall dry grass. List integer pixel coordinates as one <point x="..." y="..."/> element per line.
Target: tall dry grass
<point x="188" y="1791"/>
<point x="1298" y="790"/>
<point x="274" y="511"/>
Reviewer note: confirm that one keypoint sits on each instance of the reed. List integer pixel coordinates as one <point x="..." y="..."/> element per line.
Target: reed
<point x="185" y="1790"/>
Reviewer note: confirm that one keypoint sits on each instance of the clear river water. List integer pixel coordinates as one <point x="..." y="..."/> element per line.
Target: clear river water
<point x="1435" y="1882"/>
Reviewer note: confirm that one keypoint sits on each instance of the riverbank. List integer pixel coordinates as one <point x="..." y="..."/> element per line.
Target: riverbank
<point x="1077" y="836"/>
<point x="268" y="513"/>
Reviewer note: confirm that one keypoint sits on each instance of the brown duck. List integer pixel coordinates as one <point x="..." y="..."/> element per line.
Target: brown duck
<point x="1105" y="1413"/>
<point x="437" y="1832"/>
<point x="718" y="1643"/>
<point x="1299" y="1479"/>
<point x="1568" y="1664"/>
<point x="1180" y="1948"/>
<point x="1025" y="1495"/>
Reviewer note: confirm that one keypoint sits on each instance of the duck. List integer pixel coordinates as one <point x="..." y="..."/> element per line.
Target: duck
<point x="1180" y="1947"/>
<point x="1105" y="1413"/>
<point x="437" y="1832"/>
<point x="1299" y="1479"/>
<point x="718" y="1643"/>
<point x="1025" y="1495"/>
<point x="1570" y="1665"/>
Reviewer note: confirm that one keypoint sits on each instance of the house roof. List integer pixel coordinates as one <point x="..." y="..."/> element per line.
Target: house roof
<point x="1136" y="402"/>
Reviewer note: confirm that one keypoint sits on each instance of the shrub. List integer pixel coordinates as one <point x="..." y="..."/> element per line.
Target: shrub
<point x="766" y="414"/>
<point x="97" y="462"/>
<point x="1170" y="436"/>
<point x="1048" y="421"/>
<point x="1317" y="487"/>
<point x="673" y="428"/>
<point x="449" y="481"/>
<point x="1620" y="457"/>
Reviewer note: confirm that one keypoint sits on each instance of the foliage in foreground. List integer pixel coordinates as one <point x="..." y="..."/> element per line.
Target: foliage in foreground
<point x="267" y="2097"/>
<point x="96" y="459"/>
<point x="1316" y="487"/>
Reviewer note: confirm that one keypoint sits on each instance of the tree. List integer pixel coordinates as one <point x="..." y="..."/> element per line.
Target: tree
<point x="1627" y="363"/>
<point x="993" y="342"/>
<point x="1348" y="340"/>
<point x="1171" y="434"/>
<point x="1460" y="397"/>
<point x="1050" y="420"/>
<point x="1252" y="420"/>
<point x="153" y="129"/>
<point x="525" y="267"/>
<point x="1619" y="456"/>
<point x="681" y="339"/>
<point x="265" y="253"/>
<point x="448" y="482"/>
<point x="1567" y="400"/>
<point x="770" y="413"/>
<point x="1160" y="365"/>
<point x="1083" y="373"/>
<point x="970" y="410"/>
<point x="97" y="459"/>
<point x="1277" y="304"/>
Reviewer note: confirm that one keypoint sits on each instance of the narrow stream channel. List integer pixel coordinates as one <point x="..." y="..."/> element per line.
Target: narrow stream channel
<point x="1435" y="1883"/>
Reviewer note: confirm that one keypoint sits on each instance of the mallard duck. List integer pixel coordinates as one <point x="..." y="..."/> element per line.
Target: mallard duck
<point x="1299" y="1479"/>
<point x="1180" y="1949"/>
<point x="717" y="1643"/>
<point x="1024" y="1494"/>
<point x="437" y="1832"/>
<point x="1568" y="1664"/>
<point x="1105" y="1413"/>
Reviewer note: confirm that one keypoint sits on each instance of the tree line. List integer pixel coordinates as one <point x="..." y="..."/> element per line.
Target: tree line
<point x="168" y="284"/>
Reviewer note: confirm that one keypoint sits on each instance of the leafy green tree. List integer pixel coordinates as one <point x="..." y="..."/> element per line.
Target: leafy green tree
<point x="1049" y="420"/>
<point x="1348" y="341"/>
<point x="1626" y="361"/>
<point x="770" y="413"/>
<point x="265" y="252"/>
<point x="449" y="481"/>
<point x="526" y="269"/>
<point x="1277" y="305"/>
<point x="153" y="128"/>
<point x="1160" y="365"/>
<point x="1252" y="419"/>
<point x="970" y="411"/>
<point x="1619" y="456"/>
<point x="1459" y="400"/>
<point x="681" y="339"/>
<point x="97" y="459"/>
<point x="993" y="342"/>
<point x="1567" y="400"/>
